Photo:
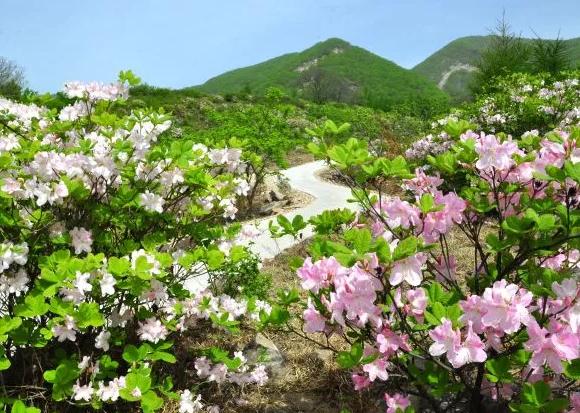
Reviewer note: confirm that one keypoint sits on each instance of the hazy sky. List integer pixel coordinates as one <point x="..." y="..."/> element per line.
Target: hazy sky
<point x="180" y="43"/>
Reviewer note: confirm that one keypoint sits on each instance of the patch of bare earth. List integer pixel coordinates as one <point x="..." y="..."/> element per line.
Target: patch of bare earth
<point x="388" y="187"/>
<point x="273" y="199"/>
<point x="299" y="156"/>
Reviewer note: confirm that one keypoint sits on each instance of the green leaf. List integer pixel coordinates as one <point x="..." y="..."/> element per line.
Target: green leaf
<point x="360" y="239"/>
<point x="405" y="248"/>
<point x="34" y="305"/>
<point x="151" y="402"/>
<point x="4" y="363"/>
<point x="536" y="394"/>
<point x="164" y="356"/>
<point x="131" y="354"/>
<point x="572" y="369"/>
<point x="546" y="222"/>
<point x="437" y="294"/>
<point x="215" y="258"/>
<point x="499" y="370"/>
<point x="524" y="408"/>
<point x="453" y="313"/>
<point x="431" y="319"/>
<point x="345" y="360"/>
<point x="8" y="324"/>
<point x="88" y="315"/>
<point x="135" y="380"/>
<point x="118" y="266"/>
<point x="427" y="203"/>
<point x="556" y="406"/>
<point x="438" y="310"/>
<point x="18" y="407"/>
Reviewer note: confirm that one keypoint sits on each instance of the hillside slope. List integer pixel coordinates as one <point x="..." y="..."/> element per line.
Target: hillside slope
<point x="451" y="67"/>
<point x="364" y="77"/>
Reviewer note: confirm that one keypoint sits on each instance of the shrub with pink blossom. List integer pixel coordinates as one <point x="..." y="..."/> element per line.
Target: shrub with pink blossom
<point x="496" y="328"/>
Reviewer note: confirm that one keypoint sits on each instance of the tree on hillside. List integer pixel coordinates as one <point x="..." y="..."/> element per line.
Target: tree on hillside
<point x="321" y="86"/>
<point x="550" y="56"/>
<point x="506" y="53"/>
<point x="11" y="79"/>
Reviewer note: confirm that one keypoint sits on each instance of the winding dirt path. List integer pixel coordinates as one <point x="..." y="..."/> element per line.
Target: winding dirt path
<point x="302" y="178"/>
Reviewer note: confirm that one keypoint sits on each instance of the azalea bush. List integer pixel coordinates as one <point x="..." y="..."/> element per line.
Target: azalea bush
<point x="495" y="329"/>
<point x="109" y="228"/>
<point x="514" y="104"/>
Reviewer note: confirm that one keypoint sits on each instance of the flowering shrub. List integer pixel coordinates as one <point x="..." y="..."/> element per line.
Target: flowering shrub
<point x="105" y="225"/>
<point x="496" y="327"/>
<point x="517" y="104"/>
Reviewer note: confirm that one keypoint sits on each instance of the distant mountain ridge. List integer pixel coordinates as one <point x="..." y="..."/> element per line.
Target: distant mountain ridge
<point x="356" y="75"/>
<point x="452" y="66"/>
<point x="361" y="76"/>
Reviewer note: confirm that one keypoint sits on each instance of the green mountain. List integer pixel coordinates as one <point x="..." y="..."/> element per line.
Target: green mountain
<point x="452" y="66"/>
<point x="337" y="71"/>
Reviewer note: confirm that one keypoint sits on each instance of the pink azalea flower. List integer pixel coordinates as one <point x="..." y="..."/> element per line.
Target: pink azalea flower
<point x="575" y="403"/>
<point x="81" y="240"/>
<point x="551" y="347"/>
<point x="355" y="293"/>
<point x="408" y="270"/>
<point x="400" y="213"/>
<point x="417" y="303"/>
<point x="464" y="137"/>
<point x="572" y="316"/>
<point x="377" y="370"/>
<point x="552" y="153"/>
<point x="453" y="207"/>
<point x="506" y="306"/>
<point x="446" y="268"/>
<point x="389" y="342"/>
<point x="445" y="339"/>
<point x="315" y="322"/>
<point x="434" y="225"/>
<point x="555" y="262"/>
<point x="396" y="401"/>
<point x="495" y="154"/>
<point x="493" y="338"/>
<point x="360" y="381"/>
<point x="422" y="183"/>
<point x="320" y="274"/>
<point x="473" y="312"/>
<point x="567" y="290"/>
<point x="497" y="390"/>
<point x="471" y="351"/>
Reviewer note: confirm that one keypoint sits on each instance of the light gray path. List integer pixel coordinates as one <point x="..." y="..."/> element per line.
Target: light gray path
<point x="455" y="68"/>
<point x="326" y="196"/>
<point x="301" y="178"/>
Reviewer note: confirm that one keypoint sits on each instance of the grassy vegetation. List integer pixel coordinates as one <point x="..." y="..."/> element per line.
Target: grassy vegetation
<point x="207" y="117"/>
<point x="153" y="96"/>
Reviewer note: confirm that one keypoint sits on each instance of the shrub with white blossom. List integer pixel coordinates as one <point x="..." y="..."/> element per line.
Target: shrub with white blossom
<point x="517" y="103"/>
<point x="104" y="222"/>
